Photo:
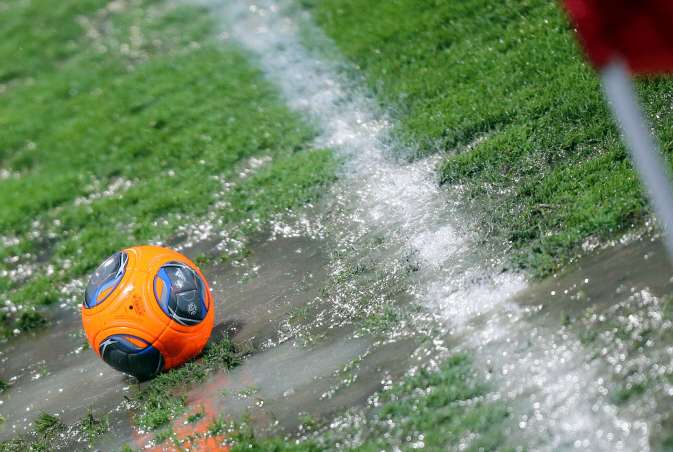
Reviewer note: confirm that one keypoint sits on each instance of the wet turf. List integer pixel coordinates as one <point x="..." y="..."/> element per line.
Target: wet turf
<point x="433" y="410"/>
<point x="122" y="124"/>
<point x="161" y="401"/>
<point x="177" y="137"/>
<point x="502" y="88"/>
<point x="52" y="434"/>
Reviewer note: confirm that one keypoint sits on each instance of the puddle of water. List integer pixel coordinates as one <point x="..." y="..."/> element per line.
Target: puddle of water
<point x="613" y="305"/>
<point x="51" y="371"/>
<point x="255" y="297"/>
<point x="603" y="279"/>
<point x="280" y="275"/>
<point x="310" y="358"/>
<point x="278" y="386"/>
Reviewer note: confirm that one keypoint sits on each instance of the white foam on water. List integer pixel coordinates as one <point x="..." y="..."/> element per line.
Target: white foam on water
<point x="558" y="401"/>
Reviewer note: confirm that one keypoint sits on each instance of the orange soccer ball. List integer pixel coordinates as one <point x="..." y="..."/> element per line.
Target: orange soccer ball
<point x="147" y="309"/>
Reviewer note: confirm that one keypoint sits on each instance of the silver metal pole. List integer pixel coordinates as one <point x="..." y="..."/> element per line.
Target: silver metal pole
<point x="645" y="153"/>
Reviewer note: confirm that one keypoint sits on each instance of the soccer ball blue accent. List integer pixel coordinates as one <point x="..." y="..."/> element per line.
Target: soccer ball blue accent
<point x="179" y="291"/>
<point x="105" y="279"/>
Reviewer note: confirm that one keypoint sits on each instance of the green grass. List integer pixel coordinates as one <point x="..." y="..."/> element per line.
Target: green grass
<point x="93" y="427"/>
<point x="46" y="422"/>
<point x="118" y="129"/>
<point x="195" y="417"/>
<point x="164" y="435"/>
<point x="503" y="89"/>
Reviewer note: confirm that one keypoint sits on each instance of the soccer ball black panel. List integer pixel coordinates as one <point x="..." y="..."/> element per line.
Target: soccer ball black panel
<point x="179" y="291"/>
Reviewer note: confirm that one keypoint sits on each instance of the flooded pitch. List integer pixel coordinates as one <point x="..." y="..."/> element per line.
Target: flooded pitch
<point x="385" y="275"/>
<point x="258" y="299"/>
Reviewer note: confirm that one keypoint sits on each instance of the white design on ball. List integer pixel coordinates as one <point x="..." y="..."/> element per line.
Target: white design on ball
<point x="191" y="308"/>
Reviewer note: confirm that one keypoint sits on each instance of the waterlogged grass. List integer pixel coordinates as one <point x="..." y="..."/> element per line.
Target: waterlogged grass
<point x="93" y="427"/>
<point x="121" y="124"/>
<point x="502" y="88"/>
<point x="161" y="400"/>
<point x="46" y="422"/>
<point x="631" y="330"/>
<point x="163" y="436"/>
<point x="435" y="410"/>
<point x="50" y="433"/>
<point x="439" y="410"/>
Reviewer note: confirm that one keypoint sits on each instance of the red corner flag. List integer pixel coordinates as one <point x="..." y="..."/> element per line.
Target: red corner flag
<point x="637" y="32"/>
<point x="635" y="35"/>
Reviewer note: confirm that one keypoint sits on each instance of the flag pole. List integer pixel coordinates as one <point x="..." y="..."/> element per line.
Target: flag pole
<point x="645" y="153"/>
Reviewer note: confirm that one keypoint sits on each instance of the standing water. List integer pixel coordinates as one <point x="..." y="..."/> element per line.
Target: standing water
<point x="555" y="392"/>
